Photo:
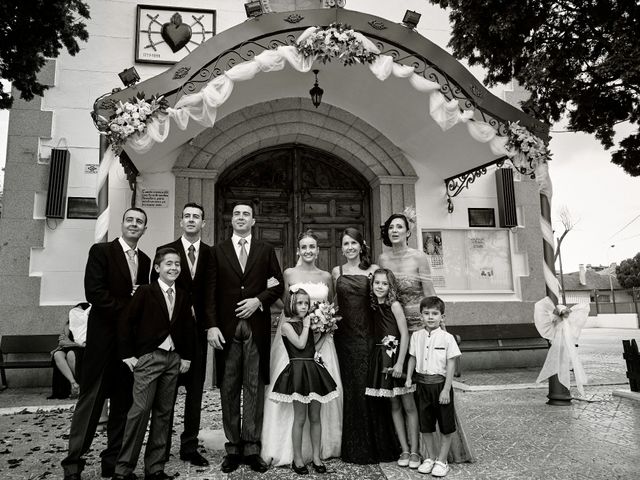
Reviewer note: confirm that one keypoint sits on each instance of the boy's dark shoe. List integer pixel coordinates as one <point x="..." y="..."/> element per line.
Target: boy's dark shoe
<point x="194" y="459"/>
<point x="128" y="476"/>
<point x="256" y="463"/>
<point x="107" y="472"/>
<point x="157" y="476"/>
<point x="230" y="463"/>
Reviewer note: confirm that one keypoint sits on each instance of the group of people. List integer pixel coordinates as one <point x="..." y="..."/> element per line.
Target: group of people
<point x="357" y="386"/>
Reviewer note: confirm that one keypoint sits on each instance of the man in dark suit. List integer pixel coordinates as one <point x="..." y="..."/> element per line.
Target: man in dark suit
<point x="157" y="339"/>
<point x="196" y="278"/>
<point x="114" y="271"/>
<point x="248" y="281"/>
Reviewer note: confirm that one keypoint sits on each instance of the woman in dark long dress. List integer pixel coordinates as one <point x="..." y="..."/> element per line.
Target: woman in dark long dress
<point x="367" y="430"/>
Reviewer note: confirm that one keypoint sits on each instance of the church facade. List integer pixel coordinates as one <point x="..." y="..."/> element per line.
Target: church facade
<point x="369" y="148"/>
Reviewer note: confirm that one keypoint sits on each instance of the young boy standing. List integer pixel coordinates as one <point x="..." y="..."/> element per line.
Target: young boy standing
<point x="157" y="341"/>
<point x="432" y="355"/>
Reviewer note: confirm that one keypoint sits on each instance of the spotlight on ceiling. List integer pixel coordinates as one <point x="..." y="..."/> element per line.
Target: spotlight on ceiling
<point x="411" y="19"/>
<point x="253" y="9"/>
<point x="129" y="76"/>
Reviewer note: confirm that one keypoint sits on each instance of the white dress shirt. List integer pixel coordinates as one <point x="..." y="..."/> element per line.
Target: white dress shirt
<point x="235" y="239"/>
<point x="168" y="344"/>
<point x="196" y="245"/>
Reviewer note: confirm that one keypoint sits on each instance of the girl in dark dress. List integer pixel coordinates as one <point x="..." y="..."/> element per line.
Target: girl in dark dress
<point x="304" y="382"/>
<point x="388" y="362"/>
<point x="367" y="430"/>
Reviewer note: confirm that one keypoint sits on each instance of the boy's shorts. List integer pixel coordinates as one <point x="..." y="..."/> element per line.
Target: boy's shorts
<point x="430" y="410"/>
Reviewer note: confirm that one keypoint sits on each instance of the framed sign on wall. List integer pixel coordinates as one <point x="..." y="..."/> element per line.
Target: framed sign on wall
<point x="168" y="34"/>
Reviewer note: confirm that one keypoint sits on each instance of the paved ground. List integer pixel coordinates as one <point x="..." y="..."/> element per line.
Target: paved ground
<point x="512" y="432"/>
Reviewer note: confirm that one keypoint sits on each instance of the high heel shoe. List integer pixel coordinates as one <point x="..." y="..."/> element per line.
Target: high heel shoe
<point x="319" y="468"/>
<point x="303" y="470"/>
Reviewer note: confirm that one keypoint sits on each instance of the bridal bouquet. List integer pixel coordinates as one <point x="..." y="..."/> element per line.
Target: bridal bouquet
<point x="323" y="317"/>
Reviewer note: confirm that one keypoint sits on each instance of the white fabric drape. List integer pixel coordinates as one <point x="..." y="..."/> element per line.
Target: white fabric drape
<point x="202" y="107"/>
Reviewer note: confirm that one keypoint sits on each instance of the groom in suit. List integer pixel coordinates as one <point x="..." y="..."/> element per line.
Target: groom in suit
<point x="245" y="267"/>
<point x="197" y="278"/>
<point x="114" y="271"/>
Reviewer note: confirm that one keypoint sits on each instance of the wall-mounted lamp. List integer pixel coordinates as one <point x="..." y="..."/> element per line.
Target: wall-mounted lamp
<point x="253" y="9"/>
<point x="129" y="76"/>
<point x="411" y="19"/>
<point x="316" y="92"/>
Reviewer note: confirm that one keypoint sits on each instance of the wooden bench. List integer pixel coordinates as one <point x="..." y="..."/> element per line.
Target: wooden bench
<point x="25" y="346"/>
<point x="497" y="337"/>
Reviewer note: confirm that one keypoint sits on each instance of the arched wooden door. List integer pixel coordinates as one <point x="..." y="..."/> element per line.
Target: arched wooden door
<point x="295" y="188"/>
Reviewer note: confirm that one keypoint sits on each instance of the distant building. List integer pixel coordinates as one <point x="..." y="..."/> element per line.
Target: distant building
<point x="590" y="281"/>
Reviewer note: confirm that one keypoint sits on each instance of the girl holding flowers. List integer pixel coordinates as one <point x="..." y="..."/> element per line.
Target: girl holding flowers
<point x="305" y="381"/>
<point x="277" y="447"/>
<point x="388" y="363"/>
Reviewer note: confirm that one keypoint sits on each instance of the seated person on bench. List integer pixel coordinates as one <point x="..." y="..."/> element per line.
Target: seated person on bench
<point x="69" y="352"/>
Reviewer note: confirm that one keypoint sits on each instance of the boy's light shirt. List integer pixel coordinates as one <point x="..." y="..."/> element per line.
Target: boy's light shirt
<point x="432" y="350"/>
<point x="168" y="344"/>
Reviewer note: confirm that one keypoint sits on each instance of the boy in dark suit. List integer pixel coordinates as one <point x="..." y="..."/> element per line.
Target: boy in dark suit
<point x="156" y="340"/>
<point x="196" y="278"/>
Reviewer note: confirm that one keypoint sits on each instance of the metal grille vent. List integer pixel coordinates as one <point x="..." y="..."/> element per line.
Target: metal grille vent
<point x="507" y="215"/>
<point x="57" y="190"/>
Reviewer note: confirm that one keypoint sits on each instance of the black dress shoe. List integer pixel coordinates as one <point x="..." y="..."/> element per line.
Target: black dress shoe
<point x="107" y="472"/>
<point x="256" y="463"/>
<point x="157" y="476"/>
<point x="128" y="476"/>
<point x="303" y="470"/>
<point x="230" y="463"/>
<point x="194" y="459"/>
<point x="319" y="468"/>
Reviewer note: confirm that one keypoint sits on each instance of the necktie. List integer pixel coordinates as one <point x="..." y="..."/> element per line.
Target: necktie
<point x="133" y="266"/>
<point x="192" y="258"/>
<point x="171" y="300"/>
<point x="243" y="253"/>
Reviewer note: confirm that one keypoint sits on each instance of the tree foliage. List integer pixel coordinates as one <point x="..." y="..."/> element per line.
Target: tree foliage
<point x="576" y="57"/>
<point x="628" y="272"/>
<point x="32" y="31"/>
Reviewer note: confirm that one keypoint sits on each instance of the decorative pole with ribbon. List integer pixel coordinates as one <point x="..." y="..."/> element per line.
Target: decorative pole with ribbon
<point x="102" y="195"/>
<point x="558" y="393"/>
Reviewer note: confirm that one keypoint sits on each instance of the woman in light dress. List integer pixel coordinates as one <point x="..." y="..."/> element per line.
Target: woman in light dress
<point x="413" y="273"/>
<point x="277" y="447"/>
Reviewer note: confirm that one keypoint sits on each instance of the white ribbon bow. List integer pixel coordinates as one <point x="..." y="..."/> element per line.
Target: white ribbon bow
<point x="561" y="325"/>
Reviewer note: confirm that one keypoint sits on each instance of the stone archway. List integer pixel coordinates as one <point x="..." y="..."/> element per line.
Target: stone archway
<point x="295" y="121"/>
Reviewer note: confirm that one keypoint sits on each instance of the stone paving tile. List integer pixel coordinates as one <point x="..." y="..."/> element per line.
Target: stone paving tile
<point x="513" y="435"/>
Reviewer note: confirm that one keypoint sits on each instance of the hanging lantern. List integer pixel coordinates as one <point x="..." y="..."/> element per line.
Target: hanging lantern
<point x="316" y="92"/>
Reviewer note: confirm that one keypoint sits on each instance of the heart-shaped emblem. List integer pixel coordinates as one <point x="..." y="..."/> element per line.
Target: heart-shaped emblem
<point x="176" y="33"/>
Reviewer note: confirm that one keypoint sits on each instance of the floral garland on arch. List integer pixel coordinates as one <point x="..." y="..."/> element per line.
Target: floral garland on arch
<point x="336" y="41"/>
<point x="529" y="149"/>
<point x="130" y="118"/>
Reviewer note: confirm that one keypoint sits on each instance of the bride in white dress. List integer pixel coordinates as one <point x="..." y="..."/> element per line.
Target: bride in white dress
<point x="277" y="446"/>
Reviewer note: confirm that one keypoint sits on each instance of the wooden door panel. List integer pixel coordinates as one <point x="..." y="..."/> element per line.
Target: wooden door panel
<point x="295" y="188"/>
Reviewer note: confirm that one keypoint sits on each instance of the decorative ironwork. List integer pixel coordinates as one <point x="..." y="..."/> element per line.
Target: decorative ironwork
<point x="377" y="24"/>
<point x="456" y="184"/>
<point x="294" y="18"/>
<point x="229" y="58"/>
<point x="131" y="172"/>
<point x="181" y="73"/>
<point x="477" y="91"/>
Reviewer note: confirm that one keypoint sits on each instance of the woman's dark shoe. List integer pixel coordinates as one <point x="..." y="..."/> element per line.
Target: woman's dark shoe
<point x="303" y="470"/>
<point x="319" y="468"/>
